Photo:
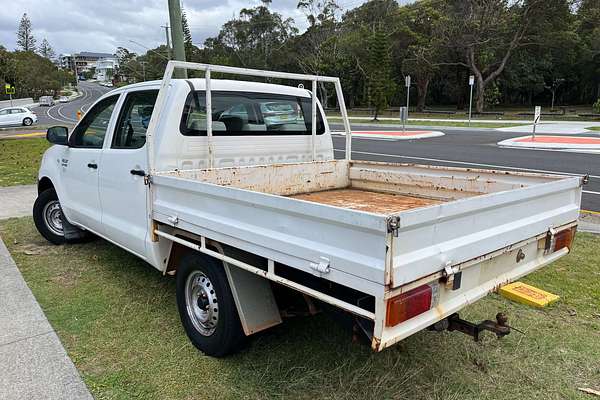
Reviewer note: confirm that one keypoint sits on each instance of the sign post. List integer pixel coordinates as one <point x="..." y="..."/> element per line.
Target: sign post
<point x="536" y="119"/>
<point x="471" y="83"/>
<point x="403" y="117"/>
<point x="407" y="84"/>
<point x="10" y="90"/>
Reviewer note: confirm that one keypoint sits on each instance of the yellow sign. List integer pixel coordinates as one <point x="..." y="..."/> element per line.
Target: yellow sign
<point x="9" y="89"/>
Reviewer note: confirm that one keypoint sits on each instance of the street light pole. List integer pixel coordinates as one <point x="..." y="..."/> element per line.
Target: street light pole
<point x="177" y="36"/>
<point x="471" y="83"/>
<point x="166" y="26"/>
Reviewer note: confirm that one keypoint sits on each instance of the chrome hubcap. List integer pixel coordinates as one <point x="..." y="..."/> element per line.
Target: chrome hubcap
<point x="201" y="303"/>
<point x="52" y="217"/>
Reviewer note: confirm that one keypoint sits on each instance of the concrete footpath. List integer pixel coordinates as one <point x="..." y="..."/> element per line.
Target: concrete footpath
<point x="34" y="363"/>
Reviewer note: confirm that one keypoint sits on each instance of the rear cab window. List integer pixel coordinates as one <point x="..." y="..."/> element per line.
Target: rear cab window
<point x="249" y="114"/>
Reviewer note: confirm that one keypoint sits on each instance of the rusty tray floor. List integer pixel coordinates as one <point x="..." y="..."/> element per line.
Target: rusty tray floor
<point x="364" y="200"/>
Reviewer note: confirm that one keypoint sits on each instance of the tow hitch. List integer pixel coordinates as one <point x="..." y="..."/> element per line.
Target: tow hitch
<point x="499" y="327"/>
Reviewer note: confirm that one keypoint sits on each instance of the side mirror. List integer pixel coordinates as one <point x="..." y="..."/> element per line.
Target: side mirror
<point x="58" y="135"/>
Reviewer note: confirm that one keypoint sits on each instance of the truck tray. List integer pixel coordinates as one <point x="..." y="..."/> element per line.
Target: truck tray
<point x="367" y="200"/>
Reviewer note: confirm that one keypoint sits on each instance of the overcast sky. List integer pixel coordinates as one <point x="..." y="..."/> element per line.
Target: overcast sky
<point x="103" y="25"/>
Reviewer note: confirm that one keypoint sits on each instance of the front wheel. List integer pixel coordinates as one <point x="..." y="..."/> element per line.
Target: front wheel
<point x="47" y="216"/>
<point x="27" y="121"/>
<point x="206" y="306"/>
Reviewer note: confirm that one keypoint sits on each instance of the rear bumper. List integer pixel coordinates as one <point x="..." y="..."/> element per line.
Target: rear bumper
<point x="477" y="281"/>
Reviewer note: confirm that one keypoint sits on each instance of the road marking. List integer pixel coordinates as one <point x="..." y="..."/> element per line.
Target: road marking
<point x="28" y="134"/>
<point x="63" y="115"/>
<point x="590" y="192"/>
<point x="470" y="163"/>
<point x="590" y="212"/>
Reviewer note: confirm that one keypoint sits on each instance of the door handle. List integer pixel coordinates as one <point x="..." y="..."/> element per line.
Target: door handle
<point x="93" y="165"/>
<point x="138" y="172"/>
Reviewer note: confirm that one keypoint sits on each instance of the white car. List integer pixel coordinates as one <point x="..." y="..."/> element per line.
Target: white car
<point x="63" y="99"/>
<point x="17" y="116"/>
<point x="47" y="101"/>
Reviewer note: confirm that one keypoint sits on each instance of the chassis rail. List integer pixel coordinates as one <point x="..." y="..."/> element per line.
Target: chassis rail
<point x="269" y="274"/>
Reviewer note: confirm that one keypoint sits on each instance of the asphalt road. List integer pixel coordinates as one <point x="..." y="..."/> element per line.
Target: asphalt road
<point x="476" y="149"/>
<point x="66" y="113"/>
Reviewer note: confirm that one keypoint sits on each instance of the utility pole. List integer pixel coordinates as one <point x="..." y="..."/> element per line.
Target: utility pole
<point x="166" y="26"/>
<point x="177" y="36"/>
<point x="144" y="69"/>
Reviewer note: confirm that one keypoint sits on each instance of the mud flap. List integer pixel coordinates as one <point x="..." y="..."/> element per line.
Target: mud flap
<point x="71" y="232"/>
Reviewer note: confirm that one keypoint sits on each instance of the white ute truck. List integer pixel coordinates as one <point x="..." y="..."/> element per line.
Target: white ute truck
<point x="232" y="187"/>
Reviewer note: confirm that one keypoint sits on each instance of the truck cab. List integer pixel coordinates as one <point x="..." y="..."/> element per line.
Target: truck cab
<point x="106" y="160"/>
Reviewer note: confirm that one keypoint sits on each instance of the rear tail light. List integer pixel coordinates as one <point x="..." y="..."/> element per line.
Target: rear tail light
<point x="408" y="305"/>
<point x="560" y="240"/>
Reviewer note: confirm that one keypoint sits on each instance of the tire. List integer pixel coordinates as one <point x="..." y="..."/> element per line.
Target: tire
<point x="27" y="121"/>
<point x="47" y="216"/>
<point x="206" y="306"/>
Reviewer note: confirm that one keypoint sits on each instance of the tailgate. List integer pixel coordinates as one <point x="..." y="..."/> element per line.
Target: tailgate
<point x="429" y="239"/>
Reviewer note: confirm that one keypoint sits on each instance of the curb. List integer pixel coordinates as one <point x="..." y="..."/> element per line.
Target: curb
<point x="35" y="362"/>
<point x="548" y="142"/>
<point x="394" y="135"/>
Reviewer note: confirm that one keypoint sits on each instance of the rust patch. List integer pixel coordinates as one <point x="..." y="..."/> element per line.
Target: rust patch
<point x="364" y="200"/>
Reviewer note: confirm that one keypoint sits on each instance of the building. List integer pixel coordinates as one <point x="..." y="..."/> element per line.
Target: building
<point x="86" y="61"/>
<point x="105" y="68"/>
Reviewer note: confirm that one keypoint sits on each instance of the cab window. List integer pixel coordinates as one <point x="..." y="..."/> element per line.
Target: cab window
<point x="92" y="129"/>
<point x="134" y="119"/>
<point x="249" y="114"/>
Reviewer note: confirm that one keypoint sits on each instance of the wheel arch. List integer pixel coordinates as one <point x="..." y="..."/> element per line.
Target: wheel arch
<point x="44" y="184"/>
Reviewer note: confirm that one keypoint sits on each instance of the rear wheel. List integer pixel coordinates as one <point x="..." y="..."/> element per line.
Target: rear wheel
<point x="206" y="306"/>
<point x="47" y="216"/>
<point x="27" y="121"/>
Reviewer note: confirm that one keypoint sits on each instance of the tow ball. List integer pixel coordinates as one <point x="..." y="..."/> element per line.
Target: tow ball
<point x="499" y="327"/>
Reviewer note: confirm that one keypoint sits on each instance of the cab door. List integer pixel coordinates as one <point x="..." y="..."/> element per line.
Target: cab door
<point x="83" y="162"/>
<point x="123" y="191"/>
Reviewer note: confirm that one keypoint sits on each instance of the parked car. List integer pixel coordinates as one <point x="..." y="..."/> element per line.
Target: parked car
<point x="281" y="112"/>
<point x="245" y="217"/>
<point x="63" y="99"/>
<point x="47" y="101"/>
<point x="17" y="116"/>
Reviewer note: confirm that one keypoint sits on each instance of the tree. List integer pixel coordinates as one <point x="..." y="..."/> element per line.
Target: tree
<point x="486" y="33"/>
<point x="25" y="39"/>
<point x="190" y="49"/>
<point x="317" y="50"/>
<point x="379" y="71"/>
<point x="420" y="23"/>
<point x="46" y="50"/>
<point x="254" y="39"/>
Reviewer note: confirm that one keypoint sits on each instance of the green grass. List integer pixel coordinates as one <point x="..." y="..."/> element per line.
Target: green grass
<point x="117" y="318"/>
<point x="593" y="128"/>
<point x="474" y="124"/>
<point x="20" y="160"/>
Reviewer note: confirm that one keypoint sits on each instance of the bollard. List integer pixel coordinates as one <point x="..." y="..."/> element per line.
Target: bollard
<point x="79" y="115"/>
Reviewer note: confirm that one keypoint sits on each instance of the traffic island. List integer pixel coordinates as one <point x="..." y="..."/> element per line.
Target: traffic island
<point x="395" y="135"/>
<point x="567" y="143"/>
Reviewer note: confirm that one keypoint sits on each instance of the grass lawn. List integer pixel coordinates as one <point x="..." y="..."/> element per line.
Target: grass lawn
<point x="117" y="318"/>
<point x="593" y="128"/>
<point x="20" y="160"/>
